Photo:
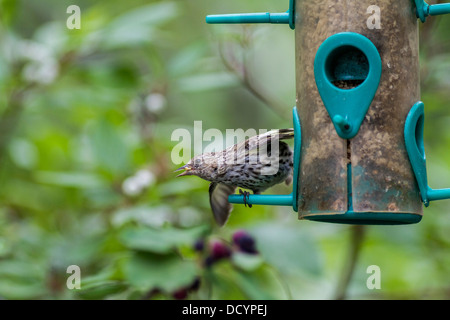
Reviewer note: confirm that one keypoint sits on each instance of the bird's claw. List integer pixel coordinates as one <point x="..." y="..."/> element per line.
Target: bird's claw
<point x="246" y="195"/>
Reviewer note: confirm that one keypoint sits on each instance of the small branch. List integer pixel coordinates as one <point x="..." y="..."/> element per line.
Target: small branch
<point x="11" y="116"/>
<point x="243" y="73"/>
<point x="284" y="283"/>
<point x="357" y="238"/>
<point x="428" y="47"/>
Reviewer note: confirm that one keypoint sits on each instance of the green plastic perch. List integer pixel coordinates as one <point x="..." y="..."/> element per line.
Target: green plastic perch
<point x="285" y="199"/>
<point x="287" y="17"/>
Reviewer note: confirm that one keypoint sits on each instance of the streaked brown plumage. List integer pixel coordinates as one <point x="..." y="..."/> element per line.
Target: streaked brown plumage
<point x="253" y="164"/>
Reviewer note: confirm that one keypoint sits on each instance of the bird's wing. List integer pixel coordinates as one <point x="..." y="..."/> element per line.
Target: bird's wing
<point x="257" y="145"/>
<point x="218" y="199"/>
<point x="266" y="138"/>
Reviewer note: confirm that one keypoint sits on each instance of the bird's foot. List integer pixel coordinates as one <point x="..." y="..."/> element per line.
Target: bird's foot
<point x="246" y="195"/>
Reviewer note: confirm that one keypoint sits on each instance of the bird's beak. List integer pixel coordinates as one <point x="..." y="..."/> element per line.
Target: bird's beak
<point x="187" y="172"/>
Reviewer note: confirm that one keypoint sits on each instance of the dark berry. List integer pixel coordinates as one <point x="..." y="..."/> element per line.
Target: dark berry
<point x="244" y="242"/>
<point x="195" y="285"/>
<point x="208" y="262"/>
<point x="238" y="235"/>
<point x="180" y="294"/>
<point x="199" y="245"/>
<point x="219" y="250"/>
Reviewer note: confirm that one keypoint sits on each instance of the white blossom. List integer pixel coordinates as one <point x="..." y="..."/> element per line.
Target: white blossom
<point x="155" y="102"/>
<point x="134" y="185"/>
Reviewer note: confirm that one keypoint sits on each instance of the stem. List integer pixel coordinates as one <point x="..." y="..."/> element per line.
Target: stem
<point x="357" y="238"/>
<point x="244" y="76"/>
<point x="283" y="283"/>
<point x="10" y="118"/>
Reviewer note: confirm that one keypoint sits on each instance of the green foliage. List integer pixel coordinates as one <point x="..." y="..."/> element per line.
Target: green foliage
<point x="166" y="272"/>
<point x="86" y="118"/>
<point x="160" y="241"/>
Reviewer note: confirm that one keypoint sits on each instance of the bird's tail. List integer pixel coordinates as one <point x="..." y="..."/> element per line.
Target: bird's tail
<point x="280" y="134"/>
<point x="286" y="133"/>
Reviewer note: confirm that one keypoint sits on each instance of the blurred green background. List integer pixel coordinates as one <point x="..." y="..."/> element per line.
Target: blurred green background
<point x="86" y="118"/>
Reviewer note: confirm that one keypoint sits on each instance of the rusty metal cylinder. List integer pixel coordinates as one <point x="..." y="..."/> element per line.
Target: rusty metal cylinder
<point x="368" y="178"/>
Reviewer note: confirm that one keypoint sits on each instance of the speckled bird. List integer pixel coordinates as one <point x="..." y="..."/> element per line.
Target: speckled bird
<point x="250" y="164"/>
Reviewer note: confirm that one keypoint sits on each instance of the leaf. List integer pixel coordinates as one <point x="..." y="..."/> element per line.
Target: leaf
<point x="12" y="289"/>
<point x="137" y="26"/>
<point x="253" y="285"/>
<point x="20" y="270"/>
<point x="9" y="9"/>
<point x="21" y="280"/>
<point x="187" y="60"/>
<point x="101" y="290"/>
<point x="247" y="262"/>
<point x="181" y="186"/>
<point x="152" y="14"/>
<point x="168" y="272"/>
<point x="287" y="248"/>
<point x="69" y="179"/>
<point x="208" y="81"/>
<point x="160" y="240"/>
<point x="5" y="247"/>
<point x="146" y="215"/>
<point x="23" y="153"/>
<point x="259" y="284"/>
<point x="108" y="147"/>
<point x="145" y="240"/>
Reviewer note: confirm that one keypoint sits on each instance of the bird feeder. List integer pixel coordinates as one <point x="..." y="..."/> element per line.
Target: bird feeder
<point x="358" y="152"/>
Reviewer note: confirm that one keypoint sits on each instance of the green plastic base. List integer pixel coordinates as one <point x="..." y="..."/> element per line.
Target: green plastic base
<point x="367" y="218"/>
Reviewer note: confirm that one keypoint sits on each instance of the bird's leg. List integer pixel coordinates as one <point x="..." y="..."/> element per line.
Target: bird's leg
<point x="243" y="193"/>
<point x="246" y="194"/>
<point x="254" y="192"/>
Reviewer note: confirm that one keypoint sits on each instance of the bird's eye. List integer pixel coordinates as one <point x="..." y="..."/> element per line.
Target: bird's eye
<point x="197" y="162"/>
